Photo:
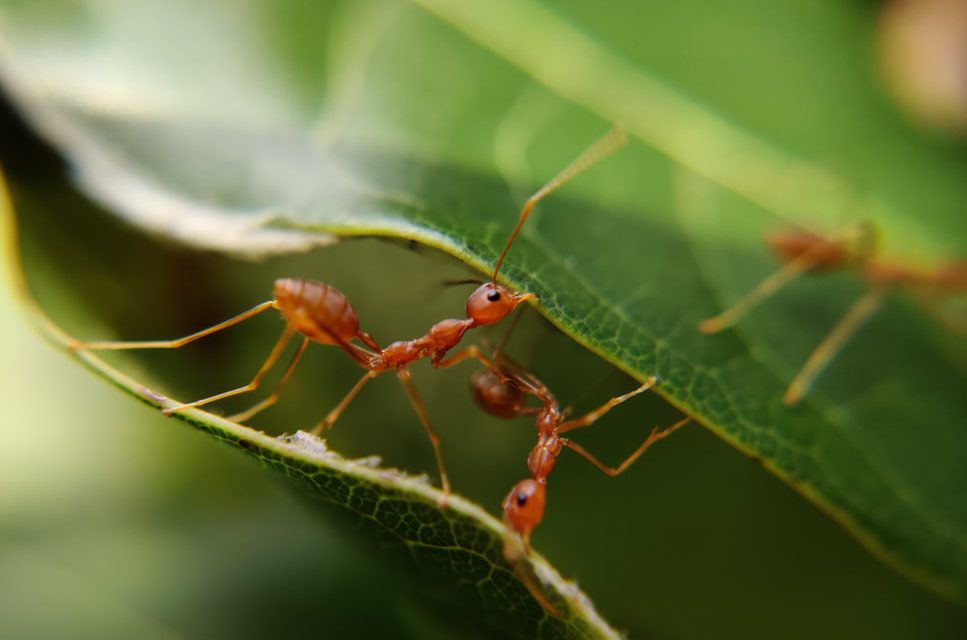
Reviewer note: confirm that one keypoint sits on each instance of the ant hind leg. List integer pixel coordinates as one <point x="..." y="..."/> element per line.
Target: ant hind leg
<point x="592" y="416"/>
<point x="251" y="386"/>
<point x="274" y="397"/>
<point x="77" y="345"/>
<point x="652" y="438"/>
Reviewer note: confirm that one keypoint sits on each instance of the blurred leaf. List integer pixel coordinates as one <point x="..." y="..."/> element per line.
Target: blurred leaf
<point x="236" y="153"/>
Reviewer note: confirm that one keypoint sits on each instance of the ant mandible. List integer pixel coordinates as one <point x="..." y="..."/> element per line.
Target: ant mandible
<point x="807" y="252"/>
<point x="321" y="313"/>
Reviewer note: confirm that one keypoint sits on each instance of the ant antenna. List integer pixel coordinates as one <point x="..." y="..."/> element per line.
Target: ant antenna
<point x="457" y="282"/>
<point x="605" y="146"/>
<point x="510" y="329"/>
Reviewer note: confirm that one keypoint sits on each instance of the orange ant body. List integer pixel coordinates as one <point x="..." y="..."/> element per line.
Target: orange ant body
<point x="321" y="313"/>
<point x="806" y="252"/>
<point x="524" y="505"/>
<point x="503" y="392"/>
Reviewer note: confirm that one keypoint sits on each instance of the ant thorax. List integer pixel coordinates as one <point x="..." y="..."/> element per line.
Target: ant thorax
<point x="446" y="334"/>
<point x="541" y="460"/>
<point x="549" y="419"/>
<point x="441" y="337"/>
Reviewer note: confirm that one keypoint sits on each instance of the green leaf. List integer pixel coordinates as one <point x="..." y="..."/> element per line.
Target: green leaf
<point x="377" y="119"/>
<point x="459" y="539"/>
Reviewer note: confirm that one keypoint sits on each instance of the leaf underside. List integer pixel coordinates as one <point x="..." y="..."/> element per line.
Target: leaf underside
<point x="625" y="265"/>
<point x="458" y="543"/>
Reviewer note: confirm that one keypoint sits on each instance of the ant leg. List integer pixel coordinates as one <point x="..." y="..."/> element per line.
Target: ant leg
<point x="251" y="386"/>
<point x="853" y="247"/>
<point x="652" y="438"/>
<point x="499" y="349"/>
<point x="592" y="416"/>
<point x="272" y="399"/>
<point x="333" y="415"/>
<point x="861" y="310"/>
<point x="470" y="352"/>
<point x="603" y="147"/>
<point x="417" y="403"/>
<point x="763" y="290"/>
<point x="498" y="354"/>
<point x="178" y="342"/>
<point x="369" y="341"/>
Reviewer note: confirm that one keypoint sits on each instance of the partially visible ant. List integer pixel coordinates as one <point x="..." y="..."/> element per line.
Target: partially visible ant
<point x="503" y="392"/>
<point x="321" y="313"/>
<point x="807" y="252"/>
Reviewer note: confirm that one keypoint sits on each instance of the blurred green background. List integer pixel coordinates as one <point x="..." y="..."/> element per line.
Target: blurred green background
<point x="116" y="522"/>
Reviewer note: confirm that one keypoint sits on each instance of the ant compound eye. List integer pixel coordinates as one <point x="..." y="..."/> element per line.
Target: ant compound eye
<point x="493" y="296"/>
<point x="521" y="499"/>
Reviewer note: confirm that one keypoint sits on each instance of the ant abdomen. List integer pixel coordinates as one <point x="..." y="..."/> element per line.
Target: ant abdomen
<point x="319" y="311"/>
<point x="496" y="397"/>
<point x="542" y="458"/>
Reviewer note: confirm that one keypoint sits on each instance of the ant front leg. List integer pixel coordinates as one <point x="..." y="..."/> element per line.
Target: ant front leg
<point x="524" y="570"/>
<point x="470" y="352"/>
<point x="652" y="438"/>
<point x="369" y="341"/>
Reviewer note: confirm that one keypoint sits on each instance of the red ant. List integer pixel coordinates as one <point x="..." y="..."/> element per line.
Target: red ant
<point x="807" y="252"/>
<point x="321" y="313"/>
<point x="503" y="392"/>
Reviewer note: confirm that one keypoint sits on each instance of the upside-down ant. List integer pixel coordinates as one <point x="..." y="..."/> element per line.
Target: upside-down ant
<point x="808" y="252"/>
<point x="321" y="313"/>
<point x="503" y="392"/>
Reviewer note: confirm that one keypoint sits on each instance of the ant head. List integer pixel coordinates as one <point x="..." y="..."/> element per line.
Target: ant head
<point x="524" y="506"/>
<point x="492" y="302"/>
